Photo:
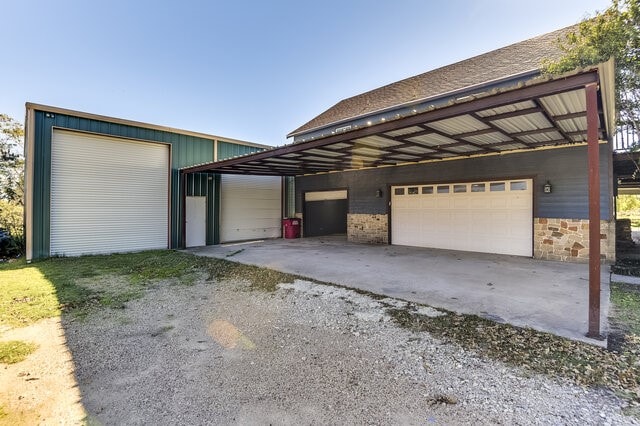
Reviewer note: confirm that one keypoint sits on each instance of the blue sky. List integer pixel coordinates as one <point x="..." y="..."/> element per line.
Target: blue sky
<point x="251" y="70"/>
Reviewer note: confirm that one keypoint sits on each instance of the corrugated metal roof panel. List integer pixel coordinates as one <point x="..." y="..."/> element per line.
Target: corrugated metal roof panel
<point x="488" y="138"/>
<point x="404" y="157"/>
<point x="377" y="141"/>
<point x="455" y="125"/>
<point x="507" y="108"/>
<point x="282" y="160"/>
<point x="321" y="159"/>
<point x="339" y="145"/>
<point x="415" y="150"/>
<point x="574" y="125"/>
<point x="368" y="151"/>
<point x="462" y="148"/>
<point x="405" y="131"/>
<point x="510" y="146"/>
<point x="324" y="152"/>
<point x="541" y="137"/>
<point x="523" y="123"/>
<point x="565" y="103"/>
<point x="431" y="140"/>
<point x="364" y="158"/>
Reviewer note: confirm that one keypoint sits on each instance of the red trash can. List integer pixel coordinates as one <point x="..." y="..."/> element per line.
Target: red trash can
<point x="291" y="228"/>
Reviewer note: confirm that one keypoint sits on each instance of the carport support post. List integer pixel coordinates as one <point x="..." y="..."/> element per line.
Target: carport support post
<point x="593" y="154"/>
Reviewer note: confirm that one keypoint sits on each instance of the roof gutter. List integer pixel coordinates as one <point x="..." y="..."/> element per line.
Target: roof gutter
<point x="409" y="108"/>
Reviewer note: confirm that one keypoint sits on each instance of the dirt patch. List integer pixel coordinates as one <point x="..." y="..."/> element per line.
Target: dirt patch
<point x="42" y="388"/>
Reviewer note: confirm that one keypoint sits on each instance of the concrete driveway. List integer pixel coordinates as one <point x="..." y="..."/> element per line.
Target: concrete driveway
<point x="544" y="295"/>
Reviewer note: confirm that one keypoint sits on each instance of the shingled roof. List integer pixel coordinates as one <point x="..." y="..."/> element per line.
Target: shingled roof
<point x="511" y="60"/>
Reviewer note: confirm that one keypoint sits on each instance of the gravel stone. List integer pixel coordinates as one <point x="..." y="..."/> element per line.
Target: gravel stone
<point x="220" y="353"/>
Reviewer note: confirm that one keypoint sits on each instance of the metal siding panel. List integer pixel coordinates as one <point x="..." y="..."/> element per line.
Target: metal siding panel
<point x="229" y="150"/>
<point x="565" y="168"/>
<point x="190" y="185"/>
<point x="92" y="209"/>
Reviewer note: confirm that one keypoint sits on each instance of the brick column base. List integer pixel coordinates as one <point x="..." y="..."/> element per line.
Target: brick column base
<point x="368" y="228"/>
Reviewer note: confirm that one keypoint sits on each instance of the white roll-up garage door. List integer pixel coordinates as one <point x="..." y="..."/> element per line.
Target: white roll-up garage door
<point x="491" y="217"/>
<point x="108" y="194"/>
<point x="250" y="207"/>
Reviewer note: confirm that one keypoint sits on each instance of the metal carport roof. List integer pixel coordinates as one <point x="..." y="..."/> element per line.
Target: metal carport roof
<point x="542" y="111"/>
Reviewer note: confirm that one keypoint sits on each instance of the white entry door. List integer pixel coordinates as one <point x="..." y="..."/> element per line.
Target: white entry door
<point x="196" y="221"/>
<point x="491" y="216"/>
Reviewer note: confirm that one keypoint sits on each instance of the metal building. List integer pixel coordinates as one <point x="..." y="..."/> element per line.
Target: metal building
<point x="96" y="184"/>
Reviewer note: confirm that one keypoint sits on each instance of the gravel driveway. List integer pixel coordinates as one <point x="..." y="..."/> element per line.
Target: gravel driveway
<point x="221" y="353"/>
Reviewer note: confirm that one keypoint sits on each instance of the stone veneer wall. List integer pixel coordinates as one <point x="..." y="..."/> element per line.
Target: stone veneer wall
<point x="368" y="228"/>
<point x="567" y="240"/>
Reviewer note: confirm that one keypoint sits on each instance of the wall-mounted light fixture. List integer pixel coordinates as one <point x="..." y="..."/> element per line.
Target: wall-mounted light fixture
<point x="378" y="193"/>
<point x="547" y="188"/>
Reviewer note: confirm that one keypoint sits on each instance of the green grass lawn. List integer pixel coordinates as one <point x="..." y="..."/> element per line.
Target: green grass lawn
<point x="625" y="300"/>
<point x="15" y="351"/>
<point x="43" y="289"/>
<point x="26" y="297"/>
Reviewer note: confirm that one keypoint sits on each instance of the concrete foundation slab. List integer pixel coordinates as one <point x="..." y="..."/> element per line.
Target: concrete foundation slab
<point x="544" y="295"/>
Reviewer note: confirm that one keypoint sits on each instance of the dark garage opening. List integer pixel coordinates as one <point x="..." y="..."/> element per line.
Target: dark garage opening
<point x="325" y="217"/>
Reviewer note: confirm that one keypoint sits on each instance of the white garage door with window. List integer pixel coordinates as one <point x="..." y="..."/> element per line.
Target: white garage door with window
<point x="250" y="207"/>
<point x="108" y="194"/>
<point x="491" y="217"/>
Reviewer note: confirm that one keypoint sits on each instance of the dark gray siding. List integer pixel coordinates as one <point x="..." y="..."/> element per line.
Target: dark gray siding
<point x="565" y="169"/>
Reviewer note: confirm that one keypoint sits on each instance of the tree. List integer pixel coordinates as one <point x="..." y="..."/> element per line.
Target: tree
<point x="615" y="33"/>
<point x="11" y="160"/>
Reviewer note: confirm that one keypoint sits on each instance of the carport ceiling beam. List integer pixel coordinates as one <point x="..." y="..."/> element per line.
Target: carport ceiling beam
<point x="488" y="122"/>
<point x="552" y="120"/>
